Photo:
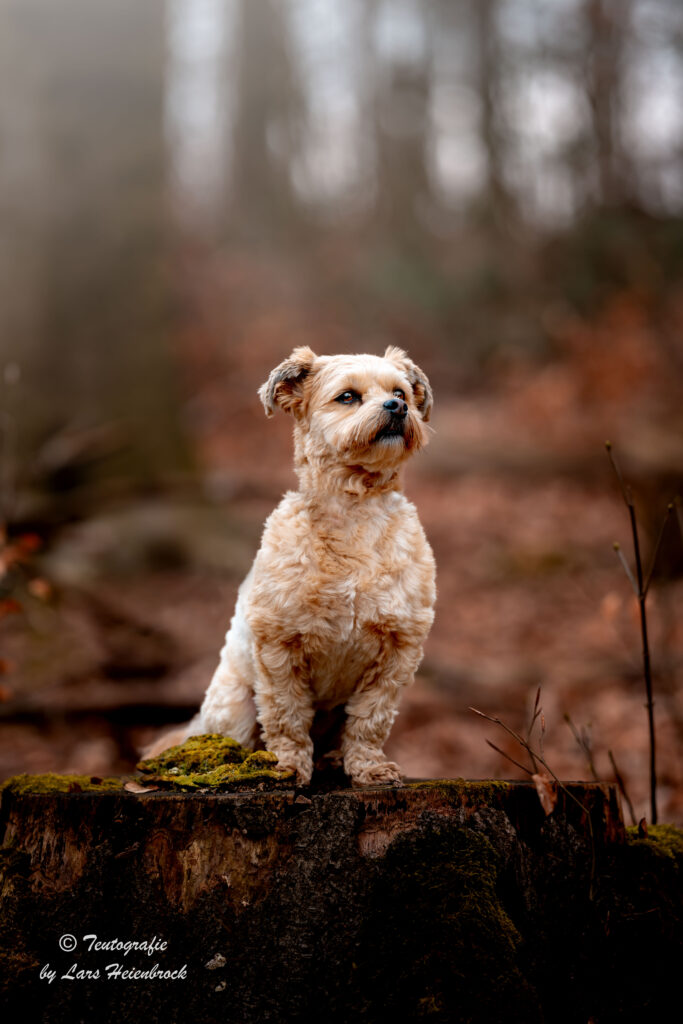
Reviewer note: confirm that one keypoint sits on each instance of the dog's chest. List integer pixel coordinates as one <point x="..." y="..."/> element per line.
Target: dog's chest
<point x="337" y="589"/>
<point x="332" y="576"/>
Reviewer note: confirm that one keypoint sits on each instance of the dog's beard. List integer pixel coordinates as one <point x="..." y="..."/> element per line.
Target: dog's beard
<point x="393" y="429"/>
<point x="379" y="439"/>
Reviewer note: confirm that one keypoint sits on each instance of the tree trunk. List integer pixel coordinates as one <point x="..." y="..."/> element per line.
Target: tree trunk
<point x="84" y="305"/>
<point x="446" y="900"/>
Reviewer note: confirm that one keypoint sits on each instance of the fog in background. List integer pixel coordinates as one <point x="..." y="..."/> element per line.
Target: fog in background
<point x="190" y="188"/>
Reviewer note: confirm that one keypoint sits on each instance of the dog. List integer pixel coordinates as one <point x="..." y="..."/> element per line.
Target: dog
<point x="340" y="597"/>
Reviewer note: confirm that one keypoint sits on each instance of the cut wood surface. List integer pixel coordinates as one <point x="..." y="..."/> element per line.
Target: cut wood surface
<point x="443" y="900"/>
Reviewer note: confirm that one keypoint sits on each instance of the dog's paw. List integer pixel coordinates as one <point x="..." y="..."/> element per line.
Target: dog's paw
<point x="302" y="767"/>
<point x="383" y="773"/>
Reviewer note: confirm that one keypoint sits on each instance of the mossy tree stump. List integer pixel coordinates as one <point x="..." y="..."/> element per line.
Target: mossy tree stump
<point x="441" y="901"/>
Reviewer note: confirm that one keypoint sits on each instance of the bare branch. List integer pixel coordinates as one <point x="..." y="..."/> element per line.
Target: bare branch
<point x="497" y="721"/>
<point x="535" y="756"/>
<point x="507" y="756"/>
<point x="640" y="589"/>
<point x="622" y="786"/>
<point x="584" y="744"/>
<point x="655" y="551"/>
<point x="534" y="715"/>
<point x="625" y="490"/>
<point x="626" y="567"/>
<point x="542" y="735"/>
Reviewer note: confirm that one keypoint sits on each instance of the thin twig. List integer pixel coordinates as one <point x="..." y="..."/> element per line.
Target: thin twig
<point x="641" y="594"/>
<point x="625" y="491"/>
<point x="655" y="550"/>
<point x="534" y="715"/>
<point x="531" y="753"/>
<point x="650" y="705"/>
<point x="622" y="787"/>
<point x="535" y="756"/>
<point x="497" y="721"/>
<point x="542" y="735"/>
<point x="584" y="744"/>
<point x="583" y="809"/>
<point x="509" y="758"/>
<point x="626" y="567"/>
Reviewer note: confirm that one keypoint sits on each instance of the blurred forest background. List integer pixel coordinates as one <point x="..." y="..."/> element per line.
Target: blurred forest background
<point x="190" y="188"/>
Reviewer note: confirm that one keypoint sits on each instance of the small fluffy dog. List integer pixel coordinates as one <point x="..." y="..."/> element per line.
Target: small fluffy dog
<point x="340" y="597"/>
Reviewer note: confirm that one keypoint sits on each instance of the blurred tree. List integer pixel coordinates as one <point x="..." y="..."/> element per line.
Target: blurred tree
<point x="402" y="124"/>
<point x="488" y="64"/>
<point x="82" y="199"/>
<point x="607" y="27"/>
<point x="268" y="121"/>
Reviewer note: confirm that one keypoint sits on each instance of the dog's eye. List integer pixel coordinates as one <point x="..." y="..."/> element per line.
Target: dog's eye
<point x="348" y="397"/>
<point x="399" y="393"/>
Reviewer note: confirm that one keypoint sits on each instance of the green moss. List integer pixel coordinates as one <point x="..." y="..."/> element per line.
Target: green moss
<point x="665" y="839"/>
<point x="202" y="762"/>
<point x="213" y="762"/>
<point x="198" y="754"/>
<point x="480" y="790"/>
<point x="52" y="783"/>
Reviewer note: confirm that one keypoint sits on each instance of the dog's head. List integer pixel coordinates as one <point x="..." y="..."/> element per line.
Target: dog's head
<point x="355" y="410"/>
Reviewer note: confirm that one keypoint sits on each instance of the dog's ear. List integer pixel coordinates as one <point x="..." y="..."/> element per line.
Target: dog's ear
<point x="284" y="386"/>
<point x="418" y="380"/>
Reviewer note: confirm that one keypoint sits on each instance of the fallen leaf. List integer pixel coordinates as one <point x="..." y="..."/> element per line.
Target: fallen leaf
<point x="547" y="791"/>
<point x="135" y="787"/>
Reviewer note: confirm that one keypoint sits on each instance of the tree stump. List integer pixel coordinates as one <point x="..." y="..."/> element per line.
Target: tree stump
<point x="442" y="901"/>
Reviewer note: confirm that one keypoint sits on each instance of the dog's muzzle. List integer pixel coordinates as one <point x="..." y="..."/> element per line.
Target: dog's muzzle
<point x="395" y="423"/>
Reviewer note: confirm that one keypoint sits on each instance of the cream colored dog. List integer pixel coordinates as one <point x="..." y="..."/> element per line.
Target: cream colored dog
<point x="340" y="597"/>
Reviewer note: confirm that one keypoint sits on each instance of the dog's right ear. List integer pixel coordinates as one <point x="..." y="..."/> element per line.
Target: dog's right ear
<point x="284" y="387"/>
<point x="418" y="380"/>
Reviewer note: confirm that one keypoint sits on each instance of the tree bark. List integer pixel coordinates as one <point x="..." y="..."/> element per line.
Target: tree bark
<point x="445" y="900"/>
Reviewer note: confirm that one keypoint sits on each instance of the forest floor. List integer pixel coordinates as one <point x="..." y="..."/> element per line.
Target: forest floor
<point x="516" y="496"/>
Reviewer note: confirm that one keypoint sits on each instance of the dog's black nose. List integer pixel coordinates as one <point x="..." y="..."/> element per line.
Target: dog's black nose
<point x="396" y="406"/>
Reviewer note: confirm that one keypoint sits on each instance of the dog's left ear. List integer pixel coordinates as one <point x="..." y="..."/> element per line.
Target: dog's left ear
<point x="284" y="387"/>
<point x="418" y="380"/>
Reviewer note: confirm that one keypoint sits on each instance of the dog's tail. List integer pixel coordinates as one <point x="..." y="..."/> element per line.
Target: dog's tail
<point x="228" y="710"/>
<point x="229" y="707"/>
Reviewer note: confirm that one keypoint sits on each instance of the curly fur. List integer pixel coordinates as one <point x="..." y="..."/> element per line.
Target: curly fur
<point x="340" y="597"/>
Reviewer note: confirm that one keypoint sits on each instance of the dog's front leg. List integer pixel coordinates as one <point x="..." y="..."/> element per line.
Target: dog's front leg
<point x="285" y="707"/>
<point x="370" y="713"/>
<point x="369" y="717"/>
